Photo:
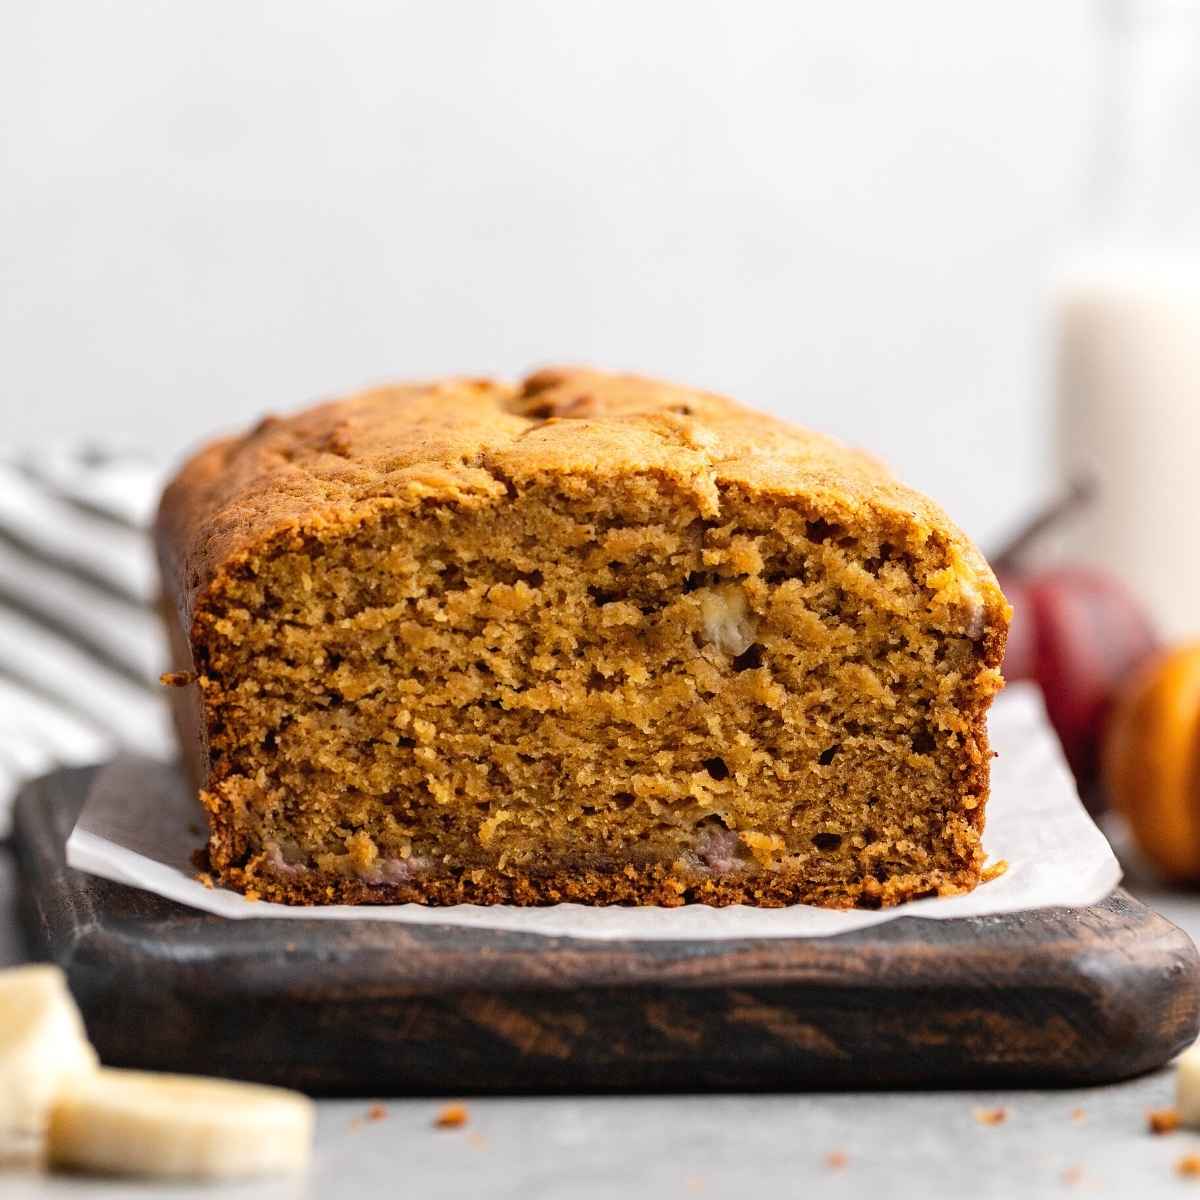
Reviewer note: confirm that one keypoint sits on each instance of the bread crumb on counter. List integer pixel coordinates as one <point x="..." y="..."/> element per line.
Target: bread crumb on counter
<point x="990" y="1116"/>
<point x="452" y="1116"/>
<point x="1188" y="1165"/>
<point x="1162" y="1120"/>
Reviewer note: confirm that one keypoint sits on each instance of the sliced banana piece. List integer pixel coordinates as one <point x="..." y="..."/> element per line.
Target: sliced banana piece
<point x="1187" y="1087"/>
<point x="138" y="1123"/>
<point x="43" y="1049"/>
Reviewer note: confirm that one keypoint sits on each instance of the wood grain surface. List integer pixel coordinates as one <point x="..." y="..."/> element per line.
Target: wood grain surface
<point x="1054" y="997"/>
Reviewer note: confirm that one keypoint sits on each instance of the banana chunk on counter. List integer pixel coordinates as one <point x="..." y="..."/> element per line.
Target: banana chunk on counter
<point x="57" y="1104"/>
<point x="1187" y="1087"/>
<point x="179" y="1126"/>
<point x="43" y="1050"/>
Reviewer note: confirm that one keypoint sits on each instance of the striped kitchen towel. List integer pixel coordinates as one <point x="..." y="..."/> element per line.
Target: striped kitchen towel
<point x="80" y="645"/>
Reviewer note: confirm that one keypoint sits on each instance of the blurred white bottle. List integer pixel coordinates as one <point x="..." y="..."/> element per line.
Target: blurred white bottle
<point x="1127" y="318"/>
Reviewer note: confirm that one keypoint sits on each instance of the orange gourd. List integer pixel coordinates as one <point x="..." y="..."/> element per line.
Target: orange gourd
<point x="1152" y="760"/>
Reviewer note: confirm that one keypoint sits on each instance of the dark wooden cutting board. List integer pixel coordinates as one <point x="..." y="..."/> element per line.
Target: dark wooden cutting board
<point x="1059" y="996"/>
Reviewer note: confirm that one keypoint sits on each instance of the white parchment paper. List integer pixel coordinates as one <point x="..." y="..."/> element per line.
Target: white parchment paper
<point x="139" y="826"/>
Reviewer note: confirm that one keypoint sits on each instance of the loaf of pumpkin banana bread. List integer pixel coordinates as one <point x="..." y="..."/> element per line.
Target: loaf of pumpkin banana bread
<point x="591" y="638"/>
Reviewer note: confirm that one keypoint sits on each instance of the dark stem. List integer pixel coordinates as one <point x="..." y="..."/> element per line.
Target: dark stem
<point x="1079" y="494"/>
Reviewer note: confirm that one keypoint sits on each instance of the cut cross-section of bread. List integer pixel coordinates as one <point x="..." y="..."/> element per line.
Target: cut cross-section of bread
<point x="592" y="638"/>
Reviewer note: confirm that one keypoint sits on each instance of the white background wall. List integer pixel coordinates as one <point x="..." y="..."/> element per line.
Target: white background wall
<point x="845" y="212"/>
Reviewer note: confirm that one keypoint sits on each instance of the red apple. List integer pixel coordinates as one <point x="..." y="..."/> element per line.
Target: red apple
<point x="1078" y="633"/>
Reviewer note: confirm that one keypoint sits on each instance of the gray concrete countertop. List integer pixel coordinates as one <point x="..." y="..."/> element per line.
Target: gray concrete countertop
<point x="1089" y="1142"/>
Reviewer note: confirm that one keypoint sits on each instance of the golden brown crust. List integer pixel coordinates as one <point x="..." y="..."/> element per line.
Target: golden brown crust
<point x="465" y="438"/>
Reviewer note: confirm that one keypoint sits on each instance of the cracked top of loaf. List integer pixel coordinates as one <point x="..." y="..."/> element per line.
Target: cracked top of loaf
<point x="471" y="441"/>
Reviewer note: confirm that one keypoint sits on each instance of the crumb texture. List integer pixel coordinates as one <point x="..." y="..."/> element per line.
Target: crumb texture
<point x="590" y="638"/>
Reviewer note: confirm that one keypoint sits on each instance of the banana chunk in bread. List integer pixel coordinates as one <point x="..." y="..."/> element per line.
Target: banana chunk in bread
<point x="591" y="638"/>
